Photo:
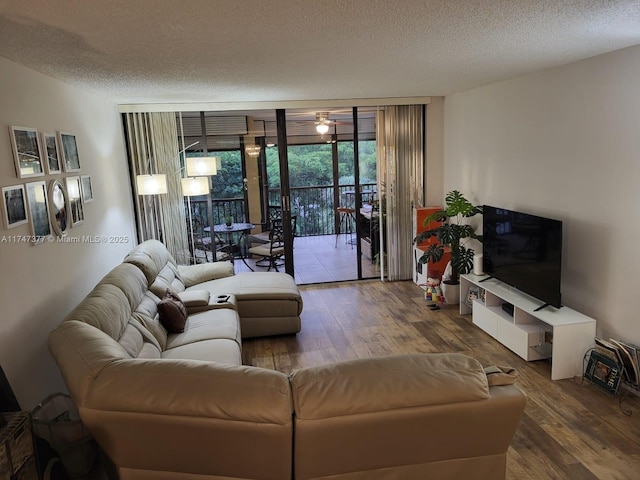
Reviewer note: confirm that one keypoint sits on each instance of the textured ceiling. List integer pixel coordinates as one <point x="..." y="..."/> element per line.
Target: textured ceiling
<point x="170" y="51"/>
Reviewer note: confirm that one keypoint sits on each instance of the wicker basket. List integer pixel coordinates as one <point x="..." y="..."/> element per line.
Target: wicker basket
<point x="57" y="421"/>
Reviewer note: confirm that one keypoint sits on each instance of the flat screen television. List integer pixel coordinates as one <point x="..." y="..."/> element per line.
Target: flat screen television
<point x="524" y="251"/>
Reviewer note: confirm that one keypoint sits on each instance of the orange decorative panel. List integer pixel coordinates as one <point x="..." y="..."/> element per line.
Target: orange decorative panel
<point x="421" y="214"/>
<point x="421" y="271"/>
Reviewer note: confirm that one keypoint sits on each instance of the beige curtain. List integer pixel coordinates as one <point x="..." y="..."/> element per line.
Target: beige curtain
<point x="152" y="140"/>
<point x="400" y="142"/>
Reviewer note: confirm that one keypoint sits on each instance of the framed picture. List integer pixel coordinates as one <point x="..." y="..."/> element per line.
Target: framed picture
<point x="26" y="152"/>
<point x="51" y="153"/>
<point x="75" y="206"/>
<point x="15" y="207"/>
<point x="603" y="372"/>
<point x="71" y="160"/>
<point x="87" y="189"/>
<point x="38" y="211"/>
<point x="58" y="208"/>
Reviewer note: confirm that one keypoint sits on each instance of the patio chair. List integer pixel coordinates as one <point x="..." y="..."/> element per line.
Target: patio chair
<point x="274" y="213"/>
<point x="272" y="253"/>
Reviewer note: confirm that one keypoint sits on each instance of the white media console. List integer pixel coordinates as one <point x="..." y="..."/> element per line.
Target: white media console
<point x="561" y="334"/>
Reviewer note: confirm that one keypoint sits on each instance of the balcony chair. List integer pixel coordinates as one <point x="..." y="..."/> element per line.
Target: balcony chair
<point x="272" y="253"/>
<point x="202" y="244"/>
<point x="274" y="213"/>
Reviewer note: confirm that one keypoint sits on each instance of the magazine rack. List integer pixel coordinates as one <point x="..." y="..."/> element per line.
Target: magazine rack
<point x="608" y="375"/>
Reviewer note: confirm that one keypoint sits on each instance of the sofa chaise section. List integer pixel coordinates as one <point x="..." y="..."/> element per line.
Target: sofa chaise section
<point x="268" y="303"/>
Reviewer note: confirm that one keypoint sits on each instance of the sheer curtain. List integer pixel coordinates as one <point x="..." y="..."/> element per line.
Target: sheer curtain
<point x="152" y="141"/>
<point x="400" y="141"/>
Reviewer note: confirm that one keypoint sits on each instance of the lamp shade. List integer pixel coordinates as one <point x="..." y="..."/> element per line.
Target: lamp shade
<point x="192" y="186"/>
<point x="151" y="184"/>
<point x="199" y="166"/>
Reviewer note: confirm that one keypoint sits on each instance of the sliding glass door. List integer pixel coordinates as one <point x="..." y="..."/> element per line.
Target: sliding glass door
<point x="322" y="184"/>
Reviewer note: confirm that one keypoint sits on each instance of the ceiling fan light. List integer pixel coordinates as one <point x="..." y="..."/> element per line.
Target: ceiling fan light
<point x="322" y="128"/>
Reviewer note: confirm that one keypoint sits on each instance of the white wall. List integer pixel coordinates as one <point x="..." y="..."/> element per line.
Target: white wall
<point x="563" y="143"/>
<point x="434" y="170"/>
<point x="40" y="284"/>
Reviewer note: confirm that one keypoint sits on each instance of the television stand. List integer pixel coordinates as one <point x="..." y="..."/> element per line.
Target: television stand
<point x="562" y="335"/>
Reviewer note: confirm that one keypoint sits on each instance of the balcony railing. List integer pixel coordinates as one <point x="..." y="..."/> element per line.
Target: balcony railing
<point x="314" y="207"/>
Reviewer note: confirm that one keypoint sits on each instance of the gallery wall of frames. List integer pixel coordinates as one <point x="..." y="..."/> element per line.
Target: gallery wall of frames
<point x="50" y="192"/>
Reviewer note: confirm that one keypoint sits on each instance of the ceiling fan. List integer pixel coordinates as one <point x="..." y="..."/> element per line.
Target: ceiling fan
<point x="322" y="122"/>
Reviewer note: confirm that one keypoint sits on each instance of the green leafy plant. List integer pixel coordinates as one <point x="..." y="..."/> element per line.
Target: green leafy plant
<point x="451" y="233"/>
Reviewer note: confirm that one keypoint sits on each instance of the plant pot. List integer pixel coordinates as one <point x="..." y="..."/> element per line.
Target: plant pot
<point x="451" y="293"/>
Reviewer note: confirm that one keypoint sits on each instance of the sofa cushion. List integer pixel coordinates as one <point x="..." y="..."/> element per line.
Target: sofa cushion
<point x="195" y="274"/>
<point x="372" y="384"/>
<point x="172" y="312"/>
<point x="219" y="350"/>
<point x="221" y="323"/>
<point x="130" y="280"/>
<point x="107" y="309"/>
<point x="168" y="277"/>
<point x="151" y="257"/>
<point x="147" y="314"/>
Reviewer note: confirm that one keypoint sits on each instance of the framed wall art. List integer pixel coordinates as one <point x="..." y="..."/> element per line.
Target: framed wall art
<point x="14" y="206"/>
<point x="71" y="160"/>
<point x="87" y="189"/>
<point x="51" y="153"/>
<point x="58" y="208"/>
<point x="26" y="152"/>
<point x="38" y="211"/>
<point x="75" y="206"/>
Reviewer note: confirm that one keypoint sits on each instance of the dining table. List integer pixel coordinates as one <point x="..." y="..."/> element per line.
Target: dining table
<point x="228" y="231"/>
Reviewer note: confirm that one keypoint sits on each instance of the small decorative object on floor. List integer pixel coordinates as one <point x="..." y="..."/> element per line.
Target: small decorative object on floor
<point x="433" y="293"/>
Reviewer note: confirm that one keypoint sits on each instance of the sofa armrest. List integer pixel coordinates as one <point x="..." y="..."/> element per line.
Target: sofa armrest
<point x="195" y="274"/>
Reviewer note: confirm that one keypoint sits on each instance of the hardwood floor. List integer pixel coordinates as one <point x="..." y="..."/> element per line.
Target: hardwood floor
<point x="570" y="430"/>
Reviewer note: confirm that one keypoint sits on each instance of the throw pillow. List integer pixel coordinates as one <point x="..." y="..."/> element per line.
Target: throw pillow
<point x="172" y="312"/>
<point x="497" y="375"/>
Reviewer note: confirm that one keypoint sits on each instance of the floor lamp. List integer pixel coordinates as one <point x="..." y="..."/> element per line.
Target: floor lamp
<point x="192" y="187"/>
<point x="197" y="182"/>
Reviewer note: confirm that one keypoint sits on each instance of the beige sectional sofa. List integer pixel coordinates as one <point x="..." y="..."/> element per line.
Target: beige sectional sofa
<point x="182" y="406"/>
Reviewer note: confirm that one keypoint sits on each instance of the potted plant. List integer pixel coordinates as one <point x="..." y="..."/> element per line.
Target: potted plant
<point x="451" y="233"/>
